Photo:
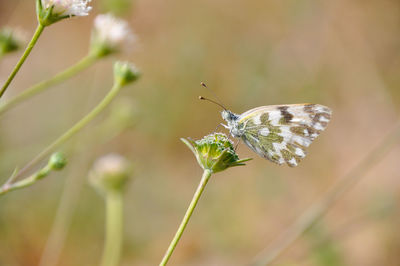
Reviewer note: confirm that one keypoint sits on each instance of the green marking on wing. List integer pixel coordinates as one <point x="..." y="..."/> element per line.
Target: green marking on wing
<point x="264" y="143"/>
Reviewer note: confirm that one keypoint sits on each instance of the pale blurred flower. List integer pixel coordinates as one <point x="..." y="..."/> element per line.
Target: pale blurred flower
<point x="110" y="34"/>
<point x="110" y="173"/>
<point x="68" y="7"/>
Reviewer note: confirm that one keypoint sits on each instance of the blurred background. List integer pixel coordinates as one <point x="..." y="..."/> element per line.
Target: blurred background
<point x="343" y="54"/>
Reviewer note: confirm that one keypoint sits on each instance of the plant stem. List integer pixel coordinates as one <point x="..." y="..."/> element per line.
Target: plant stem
<point x="25" y="182"/>
<point x="204" y="179"/>
<point x="114" y="228"/>
<point x="316" y="211"/>
<point x="21" y="61"/>
<point x="41" y="86"/>
<point x="72" y="190"/>
<point x="72" y="131"/>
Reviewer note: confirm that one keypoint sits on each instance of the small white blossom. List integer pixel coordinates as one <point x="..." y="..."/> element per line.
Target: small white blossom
<point x="111" y="33"/>
<point x="68" y="7"/>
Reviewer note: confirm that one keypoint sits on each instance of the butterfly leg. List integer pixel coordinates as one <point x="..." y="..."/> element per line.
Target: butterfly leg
<point x="237" y="144"/>
<point x="215" y="130"/>
<point x="225" y="126"/>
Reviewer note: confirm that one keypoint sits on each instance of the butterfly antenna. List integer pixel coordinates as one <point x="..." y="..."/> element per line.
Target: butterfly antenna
<point x="218" y="102"/>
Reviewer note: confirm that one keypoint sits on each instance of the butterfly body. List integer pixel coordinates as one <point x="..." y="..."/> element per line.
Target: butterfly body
<point x="279" y="133"/>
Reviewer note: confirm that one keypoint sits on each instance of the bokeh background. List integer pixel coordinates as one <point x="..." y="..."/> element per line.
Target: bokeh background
<point x="343" y="54"/>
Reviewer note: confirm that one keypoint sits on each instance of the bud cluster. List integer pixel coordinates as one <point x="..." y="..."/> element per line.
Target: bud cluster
<point x="215" y="152"/>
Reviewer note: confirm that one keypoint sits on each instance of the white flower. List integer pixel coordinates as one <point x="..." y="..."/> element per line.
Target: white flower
<point x="111" y="33"/>
<point x="68" y="7"/>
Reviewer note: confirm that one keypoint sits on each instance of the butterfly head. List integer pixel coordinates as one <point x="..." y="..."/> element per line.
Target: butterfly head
<point x="228" y="116"/>
<point x="232" y="121"/>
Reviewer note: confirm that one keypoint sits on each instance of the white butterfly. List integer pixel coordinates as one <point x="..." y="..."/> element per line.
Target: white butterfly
<point x="279" y="133"/>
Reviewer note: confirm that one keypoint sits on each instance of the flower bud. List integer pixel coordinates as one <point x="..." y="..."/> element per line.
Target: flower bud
<point x="110" y="35"/>
<point x="110" y="173"/>
<point x="57" y="161"/>
<point x="11" y="40"/>
<point x="125" y="72"/>
<point x="215" y="152"/>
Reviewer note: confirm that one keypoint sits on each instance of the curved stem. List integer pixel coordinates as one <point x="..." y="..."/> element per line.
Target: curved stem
<point x="316" y="211"/>
<point x="114" y="228"/>
<point x="41" y="86"/>
<point x="21" y="61"/>
<point x="72" y="131"/>
<point x="204" y="179"/>
<point x="25" y="182"/>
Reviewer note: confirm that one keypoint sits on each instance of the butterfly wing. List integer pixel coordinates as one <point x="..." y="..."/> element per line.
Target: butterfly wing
<point x="281" y="133"/>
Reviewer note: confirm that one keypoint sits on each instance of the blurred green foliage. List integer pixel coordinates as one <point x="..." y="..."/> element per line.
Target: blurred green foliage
<point x="324" y="249"/>
<point x="117" y="7"/>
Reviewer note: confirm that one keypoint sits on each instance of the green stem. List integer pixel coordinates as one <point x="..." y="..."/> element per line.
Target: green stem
<point x="21" y="61"/>
<point x="114" y="228"/>
<point x="206" y="176"/>
<point x="26" y="182"/>
<point x="72" y="131"/>
<point x="58" y="78"/>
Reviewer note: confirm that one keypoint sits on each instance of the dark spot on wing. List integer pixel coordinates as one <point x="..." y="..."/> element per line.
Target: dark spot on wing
<point x="317" y="119"/>
<point x="286" y="116"/>
<point x="309" y="108"/>
<point x="264" y="118"/>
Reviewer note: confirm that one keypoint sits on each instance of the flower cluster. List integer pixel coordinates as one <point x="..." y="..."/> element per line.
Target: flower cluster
<point x="215" y="152"/>
<point x="51" y="11"/>
<point x="68" y="7"/>
<point x="110" y="34"/>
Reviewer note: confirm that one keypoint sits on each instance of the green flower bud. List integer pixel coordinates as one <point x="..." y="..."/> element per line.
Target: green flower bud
<point x="215" y="152"/>
<point x="11" y="40"/>
<point x="110" y="173"/>
<point x="57" y="161"/>
<point x="125" y="72"/>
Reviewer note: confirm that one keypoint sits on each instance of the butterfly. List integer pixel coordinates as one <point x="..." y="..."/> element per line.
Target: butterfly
<point x="279" y="133"/>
